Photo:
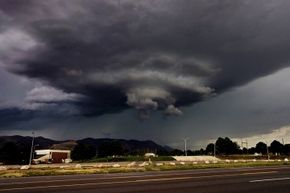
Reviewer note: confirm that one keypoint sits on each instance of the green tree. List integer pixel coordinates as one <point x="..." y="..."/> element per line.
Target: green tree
<point x="244" y="150"/>
<point x="83" y="152"/>
<point x="286" y="149"/>
<point x="276" y="147"/>
<point x="252" y="150"/>
<point x="10" y="154"/>
<point x="210" y="149"/>
<point x="261" y="148"/>
<point x="201" y="151"/>
<point x="177" y="152"/>
<point x="110" y="149"/>
<point x="226" y="146"/>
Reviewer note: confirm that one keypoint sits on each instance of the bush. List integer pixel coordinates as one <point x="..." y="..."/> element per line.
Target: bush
<point x="83" y="152"/>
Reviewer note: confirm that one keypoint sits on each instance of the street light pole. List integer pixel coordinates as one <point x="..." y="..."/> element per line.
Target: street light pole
<point x="244" y="142"/>
<point x="267" y="151"/>
<point x="185" y="146"/>
<point x="32" y="147"/>
<point x="214" y="149"/>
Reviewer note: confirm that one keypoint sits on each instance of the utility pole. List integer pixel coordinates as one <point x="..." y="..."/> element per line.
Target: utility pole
<point x="185" y="146"/>
<point x="214" y="149"/>
<point x="268" y="151"/>
<point x="247" y="146"/>
<point x="246" y="143"/>
<point x="32" y="149"/>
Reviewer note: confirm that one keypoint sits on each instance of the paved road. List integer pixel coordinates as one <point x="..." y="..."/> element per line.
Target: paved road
<point x="242" y="180"/>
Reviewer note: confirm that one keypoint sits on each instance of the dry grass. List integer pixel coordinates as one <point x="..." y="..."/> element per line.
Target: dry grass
<point x="67" y="171"/>
<point x="11" y="173"/>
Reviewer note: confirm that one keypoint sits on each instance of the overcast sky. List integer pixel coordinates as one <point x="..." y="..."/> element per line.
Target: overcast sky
<point x="154" y="69"/>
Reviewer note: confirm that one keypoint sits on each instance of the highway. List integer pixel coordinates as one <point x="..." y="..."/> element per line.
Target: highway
<point x="234" y="180"/>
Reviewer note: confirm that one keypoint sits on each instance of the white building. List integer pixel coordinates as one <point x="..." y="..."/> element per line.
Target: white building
<point x="51" y="156"/>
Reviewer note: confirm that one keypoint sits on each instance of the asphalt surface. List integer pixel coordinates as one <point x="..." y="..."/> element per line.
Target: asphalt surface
<point x="235" y="180"/>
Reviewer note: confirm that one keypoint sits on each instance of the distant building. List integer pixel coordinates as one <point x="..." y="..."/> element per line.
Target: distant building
<point x="51" y="156"/>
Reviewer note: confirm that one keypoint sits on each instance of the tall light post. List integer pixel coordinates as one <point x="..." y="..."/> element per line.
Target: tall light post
<point x="244" y="142"/>
<point x="267" y="150"/>
<point x="185" y="146"/>
<point x="32" y="148"/>
<point x="214" y="149"/>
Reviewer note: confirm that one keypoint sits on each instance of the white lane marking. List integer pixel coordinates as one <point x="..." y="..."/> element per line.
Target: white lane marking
<point x="270" y="179"/>
<point x="132" y="181"/>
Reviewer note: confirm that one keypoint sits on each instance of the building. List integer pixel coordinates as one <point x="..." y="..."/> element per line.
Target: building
<point x="52" y="156"/>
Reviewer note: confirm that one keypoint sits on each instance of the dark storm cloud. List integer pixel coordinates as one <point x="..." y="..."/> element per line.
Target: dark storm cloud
<point x="18" y="117"/>
<point x="8" y="116"/>
<point x="150" y="55"/>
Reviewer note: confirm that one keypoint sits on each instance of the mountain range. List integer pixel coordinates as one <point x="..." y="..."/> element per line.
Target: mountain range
<point x="45" y="143"/>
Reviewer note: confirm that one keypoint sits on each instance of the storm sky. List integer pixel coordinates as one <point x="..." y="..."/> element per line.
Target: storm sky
<point x="152" y="69"/>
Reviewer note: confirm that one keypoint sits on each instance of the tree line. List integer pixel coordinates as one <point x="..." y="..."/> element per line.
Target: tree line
<point x="222" y="146"/>
<point x="225" y="146"/>
<point x="12" y="153"/>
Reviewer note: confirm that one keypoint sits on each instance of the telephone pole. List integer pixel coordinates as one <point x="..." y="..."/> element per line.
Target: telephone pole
<point x="268" y="151"/>
<point x="32" y="149"/>
<point x="185" y="146"/>
<point x="214" y="149"/>
<point x="244" y="143"/>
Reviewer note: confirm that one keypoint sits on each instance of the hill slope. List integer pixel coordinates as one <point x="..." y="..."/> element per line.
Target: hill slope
<point x="16" y="149"/>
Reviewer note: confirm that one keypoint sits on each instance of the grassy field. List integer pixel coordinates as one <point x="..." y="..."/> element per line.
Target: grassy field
<point x="67" y="171"/>
<point x="129" y="159"/>
<point x="122" y="169"/>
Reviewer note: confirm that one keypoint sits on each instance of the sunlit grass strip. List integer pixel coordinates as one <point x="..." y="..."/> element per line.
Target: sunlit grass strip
<point x="128" y="159"/>
<point x="216" y="165"/>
